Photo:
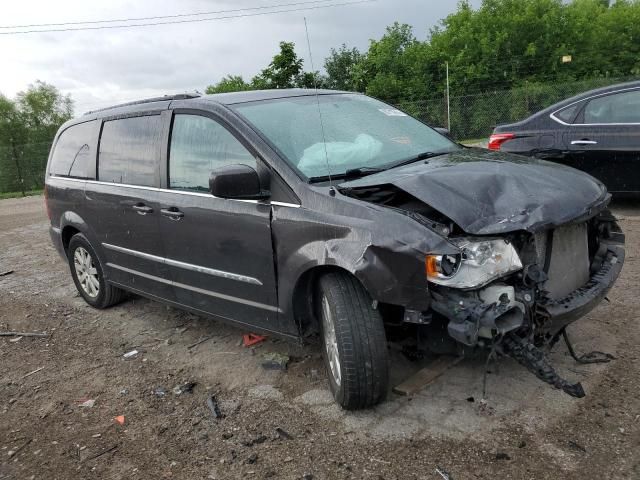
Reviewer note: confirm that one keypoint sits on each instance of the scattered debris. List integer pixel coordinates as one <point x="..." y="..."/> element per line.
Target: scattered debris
<point x="124" y="391"/>
<point x="13" y="453"/>
<point x="253" y="458"/>
<point x="577" y="446"/>
<point x="31" y="373"/>
<point x="24" y="334"/>
<point x="288" y="459"/>
<point x="212" y="403"/>
<point x="307" y="476"/>
<point x="119" y="419"/>
<point x="443" y="473"/>
<point x="193" y="345"/>
<point x="275" y="361"/>
<point x="471" y="399"/>
<point x="227" y="435"/>
<point x="502" y="456"/>
<point x="4" y="274"/>
<point x="16" y="340"/>
<point x="522" y="444"/>
<point x="104" y="452"/>
<point x="89" y="403"/>
<point x="96" y="435"/>
<point x="185" y="388"/>
<point x="250" y="339"/>
<point x="283" y="434"/>
<point x="159" y="392"/>
<point x="131" y="354"/>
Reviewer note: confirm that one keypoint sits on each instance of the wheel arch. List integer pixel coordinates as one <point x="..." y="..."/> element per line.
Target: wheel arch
<point x="304" y="293"/>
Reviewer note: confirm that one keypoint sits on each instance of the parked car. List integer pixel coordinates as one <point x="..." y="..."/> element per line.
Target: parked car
<point x="254" y="209"/>
<point x="597" y="132"/>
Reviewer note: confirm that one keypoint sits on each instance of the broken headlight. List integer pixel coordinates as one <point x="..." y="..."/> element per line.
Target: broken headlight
<point x="479" y="262"/>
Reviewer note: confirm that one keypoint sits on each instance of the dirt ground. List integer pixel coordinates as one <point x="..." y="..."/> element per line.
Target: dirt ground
<point x="523" y="430"/>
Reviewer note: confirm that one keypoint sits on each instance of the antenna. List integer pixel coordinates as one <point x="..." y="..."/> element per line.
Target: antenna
<point x="315" y="86"/>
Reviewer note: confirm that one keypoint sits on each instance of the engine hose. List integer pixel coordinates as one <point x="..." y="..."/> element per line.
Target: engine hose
<point x="534" y="360"/>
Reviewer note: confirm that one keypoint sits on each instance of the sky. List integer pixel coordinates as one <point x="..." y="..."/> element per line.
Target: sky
<point x="99" y="68"/>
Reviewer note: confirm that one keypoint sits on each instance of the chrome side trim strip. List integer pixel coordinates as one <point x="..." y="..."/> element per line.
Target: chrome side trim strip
<point x="186" y="266"/>
<point x="196" y="289"/>
<point x="180" y="192"/>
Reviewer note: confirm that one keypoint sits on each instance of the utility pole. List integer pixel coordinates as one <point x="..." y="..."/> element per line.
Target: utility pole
<point x="448" y="105"/>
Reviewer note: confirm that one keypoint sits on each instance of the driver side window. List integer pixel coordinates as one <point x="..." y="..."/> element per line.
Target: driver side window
<point x="198" y="146"/>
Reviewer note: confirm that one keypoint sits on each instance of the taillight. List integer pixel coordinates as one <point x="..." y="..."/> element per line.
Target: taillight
<point x="46" y="201"/>
<point x="497" y="139"/>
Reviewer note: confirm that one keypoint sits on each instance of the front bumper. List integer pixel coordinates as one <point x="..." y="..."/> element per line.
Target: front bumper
<point x="471" y="318"/>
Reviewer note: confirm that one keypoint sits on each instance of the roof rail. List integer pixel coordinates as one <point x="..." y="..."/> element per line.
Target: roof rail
<point x="179" y="96"/>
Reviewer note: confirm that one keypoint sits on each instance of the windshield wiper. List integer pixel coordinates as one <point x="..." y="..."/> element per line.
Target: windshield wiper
<point x="417" y="158"/>
<point x="350" y="174"/>
<point x="361" y="172"/>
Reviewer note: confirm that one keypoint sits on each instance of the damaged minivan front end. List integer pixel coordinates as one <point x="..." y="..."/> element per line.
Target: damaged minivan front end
<point x="523" y="259"/>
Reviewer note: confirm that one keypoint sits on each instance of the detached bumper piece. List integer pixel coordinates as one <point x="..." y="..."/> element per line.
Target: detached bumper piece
<point x="534" y="360"/>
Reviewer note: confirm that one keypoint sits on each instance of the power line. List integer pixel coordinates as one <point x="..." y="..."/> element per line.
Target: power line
<point x="159" y="17"/>
<point x="105" y="27"/>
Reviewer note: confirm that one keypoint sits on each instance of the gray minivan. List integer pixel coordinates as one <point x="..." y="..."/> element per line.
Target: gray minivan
<point x="303" y="212"/>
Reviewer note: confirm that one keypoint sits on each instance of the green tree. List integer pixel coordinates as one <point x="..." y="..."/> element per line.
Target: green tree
<point x="284" y="71"/>
<point x="28" y="125"/>
<point x="230" y="83"/>
<point x="341" y="67"/>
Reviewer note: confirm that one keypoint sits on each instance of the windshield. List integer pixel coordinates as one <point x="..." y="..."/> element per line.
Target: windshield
<point x="359" y="133"/>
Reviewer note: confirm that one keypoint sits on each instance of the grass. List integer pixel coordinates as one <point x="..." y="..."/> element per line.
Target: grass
<point x="19" y="194"/>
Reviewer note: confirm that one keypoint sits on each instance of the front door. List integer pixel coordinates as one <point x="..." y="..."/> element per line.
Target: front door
<point x="219" y="251"/>
<point x="605" y="140"/>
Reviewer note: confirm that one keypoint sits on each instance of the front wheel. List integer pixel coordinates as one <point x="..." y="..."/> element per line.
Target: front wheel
<point x="88" y="275"/>
<point x="355" y="344"/>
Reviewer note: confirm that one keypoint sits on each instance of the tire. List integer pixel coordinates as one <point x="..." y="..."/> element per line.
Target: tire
<point x="88" y="275"/>
<point x="353" y="334"/>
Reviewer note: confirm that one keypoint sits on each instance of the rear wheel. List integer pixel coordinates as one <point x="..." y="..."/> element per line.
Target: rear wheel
<point x="88" y="276"/>
<point x="355" y="345"/>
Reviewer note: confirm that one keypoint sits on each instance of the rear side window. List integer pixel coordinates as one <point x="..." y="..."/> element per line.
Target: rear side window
<point x="617" y="108"/>
<point x="74" y="154"/>
<point x="198" y="146"/>
<point x="129" y="151"/>
<point x="568" y="114"/>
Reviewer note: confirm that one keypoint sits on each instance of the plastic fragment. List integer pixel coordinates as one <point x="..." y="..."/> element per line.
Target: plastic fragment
<point x="130" y="354"/>
<point x="119" y="419"/>
<point x="250" y="339"/>
<point x="212" y="403"/>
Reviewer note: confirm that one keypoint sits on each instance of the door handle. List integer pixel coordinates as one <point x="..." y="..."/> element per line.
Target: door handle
<point x="583" y="142"/>
<point x="142" y="209"/>
<point x="172" y="213"/>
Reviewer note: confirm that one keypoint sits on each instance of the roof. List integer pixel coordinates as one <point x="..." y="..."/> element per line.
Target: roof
<point x="256" y="95"/>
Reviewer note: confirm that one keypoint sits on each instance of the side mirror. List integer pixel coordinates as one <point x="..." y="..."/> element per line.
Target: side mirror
<point x="445" y="132"/>
<point x="236" y="181"/>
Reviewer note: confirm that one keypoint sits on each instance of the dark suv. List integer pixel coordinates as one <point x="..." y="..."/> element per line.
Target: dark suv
<point x="299" y="212"/>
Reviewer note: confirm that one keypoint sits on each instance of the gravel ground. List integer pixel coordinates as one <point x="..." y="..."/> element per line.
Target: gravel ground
<point x="523" y="429"/>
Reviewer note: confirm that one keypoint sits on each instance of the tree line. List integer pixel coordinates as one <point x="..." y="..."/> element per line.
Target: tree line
<point x="538" y="50"/>
<point x="28" y="124"/>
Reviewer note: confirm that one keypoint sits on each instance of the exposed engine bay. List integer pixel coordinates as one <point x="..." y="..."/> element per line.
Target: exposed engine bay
<point x="541" y="278"/>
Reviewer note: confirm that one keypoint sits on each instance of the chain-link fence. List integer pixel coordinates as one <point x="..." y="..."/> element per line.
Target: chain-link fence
<point x="474" y="116"/>
<point x="22" y="167"/>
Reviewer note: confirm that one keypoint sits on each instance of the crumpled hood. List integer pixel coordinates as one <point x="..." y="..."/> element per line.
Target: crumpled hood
<point x="487" y="192"/>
